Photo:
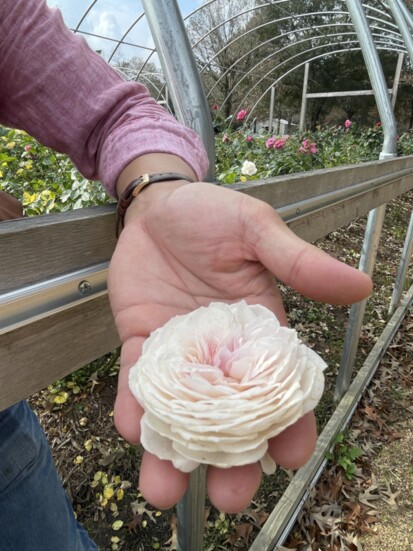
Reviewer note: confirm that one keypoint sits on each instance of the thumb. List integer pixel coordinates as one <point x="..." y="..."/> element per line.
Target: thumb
<point x="306" y="268"/>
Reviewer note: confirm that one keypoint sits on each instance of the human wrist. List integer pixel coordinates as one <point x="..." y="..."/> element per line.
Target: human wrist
<point x="152" y="163"/>
<point x="151" y="195"/>
<point x="146" y="194"/>
<point x="141" y="176"/>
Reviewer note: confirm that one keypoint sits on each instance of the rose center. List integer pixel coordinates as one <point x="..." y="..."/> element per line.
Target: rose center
<point x="221" y="356"/>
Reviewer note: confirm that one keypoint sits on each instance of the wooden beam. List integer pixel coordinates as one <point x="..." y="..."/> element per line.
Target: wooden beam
<point x="343" y="94"/>
<point x="38" y="354"/>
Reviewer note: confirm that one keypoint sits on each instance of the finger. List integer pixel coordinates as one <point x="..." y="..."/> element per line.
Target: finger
<point x="160" y="483"/>
<point x="231" y="490"/>
<point x="127" y="411"/>
<point x="293" y="447"/>
<point x="304" y="267"/>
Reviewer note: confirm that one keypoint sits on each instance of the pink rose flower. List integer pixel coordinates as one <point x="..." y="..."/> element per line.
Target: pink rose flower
<point x="249" y="139"/>
<point x="215" y="107"/>
<point x="313" y="148"/>
<point x="27" y="147"/>
<point x="218" y="382"/>
<point x="241" y="115"/>
<point x="270" y="143"/>
<point x="347" y="123"/>
<point x="279" y="144"/>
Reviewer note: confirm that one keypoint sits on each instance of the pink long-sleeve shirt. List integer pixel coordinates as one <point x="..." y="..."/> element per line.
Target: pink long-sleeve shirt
<point x="57" y="89"/>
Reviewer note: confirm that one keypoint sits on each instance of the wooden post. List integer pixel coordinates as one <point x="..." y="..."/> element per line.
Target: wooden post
<point x="304" y="97"/>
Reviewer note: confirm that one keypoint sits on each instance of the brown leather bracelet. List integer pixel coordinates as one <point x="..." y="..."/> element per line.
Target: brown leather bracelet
<point x="135" y="187"/>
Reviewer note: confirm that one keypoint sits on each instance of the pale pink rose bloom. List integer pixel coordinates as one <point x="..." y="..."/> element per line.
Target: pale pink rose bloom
<point x="217" y="383"/>
<point x="305" y="144"/>
<point x="313" y="148"/>
<point x="249" y="138"/>
<point x="347" y="123"/>
<point x="241" y="115"/>
<point x="270" y="143"/>
<point x="27" y="147"/>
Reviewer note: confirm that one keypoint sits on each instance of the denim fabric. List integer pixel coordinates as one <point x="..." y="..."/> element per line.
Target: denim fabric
<point x="35" y="513"/>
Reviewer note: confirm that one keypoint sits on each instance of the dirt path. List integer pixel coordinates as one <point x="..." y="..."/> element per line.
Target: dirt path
<point x="394" y="467"/>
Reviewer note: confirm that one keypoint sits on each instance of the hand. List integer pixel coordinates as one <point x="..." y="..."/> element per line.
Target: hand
<point x="183" y="247"/>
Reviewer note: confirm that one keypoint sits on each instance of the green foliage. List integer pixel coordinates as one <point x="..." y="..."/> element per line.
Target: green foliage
<point x="45" y="181"/>
<point x="299" y="152"/>
<point x="345" y="455"/>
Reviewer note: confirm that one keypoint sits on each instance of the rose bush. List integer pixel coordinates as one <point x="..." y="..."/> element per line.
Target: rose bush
<point x="300" y="151"/>
<point x="46" y="181"/>
<point x="43" y="180"/>
<point x="217" y="383"/>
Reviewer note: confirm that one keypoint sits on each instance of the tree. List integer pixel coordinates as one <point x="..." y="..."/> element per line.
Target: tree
<point x="217" y="34"/>
<point x="244" y="47"/>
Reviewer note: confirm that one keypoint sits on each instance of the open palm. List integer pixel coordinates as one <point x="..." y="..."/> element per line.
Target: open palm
<point x="196" y="244"/>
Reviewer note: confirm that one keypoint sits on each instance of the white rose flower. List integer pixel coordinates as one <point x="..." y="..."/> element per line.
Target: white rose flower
<point x="248" y="168"/>
<point x="217" y="383"/>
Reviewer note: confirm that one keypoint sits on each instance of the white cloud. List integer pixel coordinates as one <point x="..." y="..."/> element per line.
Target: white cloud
<point x="112" y="18"/>
<point x="106" y="25"/>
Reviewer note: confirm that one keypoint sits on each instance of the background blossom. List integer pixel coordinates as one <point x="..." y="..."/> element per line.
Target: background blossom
<point x="248" y="168"/>
<point x="217" y="383"/>
<point x="270" y="143"/>
<point x="280" y="143"/>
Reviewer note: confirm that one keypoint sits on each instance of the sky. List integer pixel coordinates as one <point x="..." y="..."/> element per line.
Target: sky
<point x="111" y="18"/>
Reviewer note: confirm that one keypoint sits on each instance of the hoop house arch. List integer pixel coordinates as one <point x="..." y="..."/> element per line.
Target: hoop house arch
<point x="303" y="35"/>
<point x="242" y="50"/>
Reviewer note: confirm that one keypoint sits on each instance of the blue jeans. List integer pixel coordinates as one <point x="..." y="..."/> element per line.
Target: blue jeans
<point x="35" y="512"/>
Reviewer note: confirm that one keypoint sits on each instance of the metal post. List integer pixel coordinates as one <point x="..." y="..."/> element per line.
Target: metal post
<point x="376" y="217"/>
<point x="191" y="108"/>
<point x="180" y="71"/>
<point x="403" y="267"/>
<point x="303" y="111"/>
<point x="396" y="80"/>
<point x="271" y="120"/>
<point x="404" y="21"/>
<point x="367" y="260"/>
<point x="191" y="513"/>
<point x="406" y="14"/>
<point x="400" y="17"/>
<point x="377" y="79"/>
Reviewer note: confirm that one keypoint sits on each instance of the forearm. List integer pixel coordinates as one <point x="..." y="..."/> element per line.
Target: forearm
<point x="54" y="87"/>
